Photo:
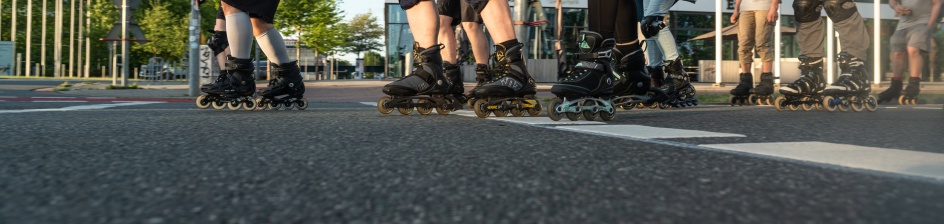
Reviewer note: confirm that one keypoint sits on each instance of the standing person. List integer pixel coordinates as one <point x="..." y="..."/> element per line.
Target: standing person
<point x="513" y="84"/>
<point x="612" y="39"/>
<point x="663" y="54"/>
<point x="853" y="79"/>
<point x="755" y="20"/>
<point x="912" y="39"/>
<point x="451" y="14"/>
<point x="247" y="20"/>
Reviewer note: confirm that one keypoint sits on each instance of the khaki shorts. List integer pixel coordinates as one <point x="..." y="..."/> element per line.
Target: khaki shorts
<point x="916" y="36"/>
<point x="754" y="34"/>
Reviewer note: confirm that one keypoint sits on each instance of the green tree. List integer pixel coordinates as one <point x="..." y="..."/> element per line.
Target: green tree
<point x="373" y="59"/>
<point x="363" y="34"/>
<point x="317" y="22"/>
<point x="166" y="29"/>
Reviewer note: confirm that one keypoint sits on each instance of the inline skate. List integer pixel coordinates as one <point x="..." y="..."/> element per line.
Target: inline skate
<point x="588" y="88"/>
<point x="741" y="93"/>
<point x="677" y="85"/>
<point x="633" y="87"/>
<point x="851" y="89"/>
<point x="217" y="43"/>
<point x="760" y="95"/>
<point x="512" y="90"/>
<point x="910" y="96"/>
<point x="807" y="91"/>
<point x="426" y="87"/>
<point x="286" y="80"/>
<point x="232" y="91"/>
<point x="892" y="93"/>
<point x="483" y="74"/>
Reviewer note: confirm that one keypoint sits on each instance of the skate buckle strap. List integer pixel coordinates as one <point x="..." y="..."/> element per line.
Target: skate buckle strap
<point x="590" y="65"/>
<point x="596" y="55"/>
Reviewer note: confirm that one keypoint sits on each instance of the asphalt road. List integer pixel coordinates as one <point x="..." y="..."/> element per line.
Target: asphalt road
<point x="168" y="162"/>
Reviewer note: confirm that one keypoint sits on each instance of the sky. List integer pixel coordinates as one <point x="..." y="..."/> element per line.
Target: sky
<point x="354" y="7"/>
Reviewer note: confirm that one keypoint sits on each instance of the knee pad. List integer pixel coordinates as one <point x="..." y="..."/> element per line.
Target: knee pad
<point x="218" y="42"/>
<point x="651" y="25"/>
<point x="840" y="10"/>
<point x="407" y="4"/>
<point x="478" y="5"/>
<point x="807" y="10"/>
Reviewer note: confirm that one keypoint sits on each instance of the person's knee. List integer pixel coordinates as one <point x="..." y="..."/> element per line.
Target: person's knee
<point x="807" y="10"/>
<point x="261" y="25"/>
<point x="840" y="10"/>
<point x="914" y="52"/>
<point x="472" y="27"/>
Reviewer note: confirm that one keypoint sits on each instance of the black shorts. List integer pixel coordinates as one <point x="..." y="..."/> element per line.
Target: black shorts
<point x="262" y="9"/>
<point x="459" y="10"/>
<point x="219" y="13"/>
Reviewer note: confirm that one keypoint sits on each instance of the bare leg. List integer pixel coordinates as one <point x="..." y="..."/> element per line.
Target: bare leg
<point x="745" y="68"/>
<point x="767" y="67"/>
<point x="498" y="21"/>
<point x="424" y="24"/>
<point x="915" y="62"/>
<point x="477" y="40"/>
<point x="898" y="63"/>
<point x="447" y="35"/>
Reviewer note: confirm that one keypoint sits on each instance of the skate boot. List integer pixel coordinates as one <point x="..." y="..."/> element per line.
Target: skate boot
<point x="677" y="86"/>
<point x="805" y="92"/>
<point x="741" y="93"/>
<point x="217" y="43"/>
<point x="910" y="95"/>
<point x="851" y="89"/>
<point x="761" y="93"/>
<point x="425" y="88"/>
<point x="483" y="74"/>
<point x="512" y="90"/>
<point x="633" y="87"/>
<point x="286" y="80"/>
<point x="892" y="93"/>
<point x="234" y="90"/>
<point x="657" y="76"/>
<point x="588" y="89"/>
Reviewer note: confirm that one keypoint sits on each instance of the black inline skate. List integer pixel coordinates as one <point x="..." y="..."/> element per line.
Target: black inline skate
<point x="512" y="90"/>
<point x="217" y="43"/>
<point x="807" y="91"/>
<point x="483" y="74"/>
<point x="741" y="93"/>
<point x="426" y="87"/>
<point x="851" y="89"/>
<point x="232" y="91"/>
<point x="633" y="87"/>
<point x="760" y="95"/>
<point x="910" y="95"/>
<point x="589" y="87"/>
<point x="286" y="80"/>
<point x="892" y="93"/>
<point x="677" y="85"/>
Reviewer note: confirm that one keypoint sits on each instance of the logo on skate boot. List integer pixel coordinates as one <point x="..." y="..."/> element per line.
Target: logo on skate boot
<point x="510" y="83"/>
<point x="290" y="85"/>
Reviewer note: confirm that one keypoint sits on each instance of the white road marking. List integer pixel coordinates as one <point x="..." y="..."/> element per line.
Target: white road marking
<point x="59" y="101"/>
<point x="53" y="97"/>
<point x="911" y="163"/>
<point x="889" y="107"/>
<point x="73" y="108"/>
<point x="525" y="120"/>
<point x="373" y="104"/>
<point x="646" y="132"/>
<point x="928" y="108"/>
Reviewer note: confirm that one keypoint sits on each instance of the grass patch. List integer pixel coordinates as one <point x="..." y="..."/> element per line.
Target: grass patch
<point x="65" y="84"/>
<point x="132" y="86"/>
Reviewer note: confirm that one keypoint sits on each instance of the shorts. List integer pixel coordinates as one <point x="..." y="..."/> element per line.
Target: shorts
<point x="262" y="9"/>
<point x="915" y="36"/>
<point x="459" y="10"/>
<point x="219" y="13"/>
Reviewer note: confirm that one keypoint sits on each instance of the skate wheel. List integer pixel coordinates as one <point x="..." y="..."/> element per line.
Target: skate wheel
<point x="471" y="102"/>
<point x="767" y="101"/>
<point x="288" y="104"/>
<point x="441" y="109"/>
<point x="275" y="105"/>
<point x="656" y="105"/>
<point x="608" y="115"/>
<point x="902" y="100"/>
<point x="516" y="110"/>
<point x="536" y="110"/>
<point x="203" y="102"/>
<point x="808" y="105"/>
<point x="233" y="105"/>
<point x="752" y="99"/>
<point x="405" y="110"/>
<point x="842" y="104"/>
<point x="871" y="104"/>
<point x="732" y="100"/>
<point x="590" y="115"/>
<point x="262" y="104"/>
<point x="914" y="101"/>
<point x="829" y="104"/>
<point x="780" y="103"/>
<point x="219" y="104"/>
<point x="552" y="109"/>
<point x="248" y="105"/>
<point x="662" y="105"/>
<point x="500" y="113"/>
<point x="301" y="104"/>
<point x="424" y="107"/>
<point x="572" y="116"/>
<point x="380" y="105"/>
<point x="857" y="103"/>
<point x="479" y="106"/>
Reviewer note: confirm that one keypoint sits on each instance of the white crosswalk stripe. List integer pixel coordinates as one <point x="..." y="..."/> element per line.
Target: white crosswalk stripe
<point x="646" y="132"/>
<point x="82" y="107"/>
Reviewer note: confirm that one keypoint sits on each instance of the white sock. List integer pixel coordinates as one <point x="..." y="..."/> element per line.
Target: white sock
<point x="273" y="46"/>
<point x="239" y="34"/>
